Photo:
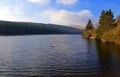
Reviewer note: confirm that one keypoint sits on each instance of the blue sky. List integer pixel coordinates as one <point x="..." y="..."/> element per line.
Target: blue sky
<point x="64" y="12"/>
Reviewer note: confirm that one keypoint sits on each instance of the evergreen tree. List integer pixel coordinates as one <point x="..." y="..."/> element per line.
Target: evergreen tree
<point x="89" y="25"/>
<point x="106" y="20"/>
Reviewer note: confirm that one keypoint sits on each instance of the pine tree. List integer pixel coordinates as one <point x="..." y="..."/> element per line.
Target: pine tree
<point x="89" y="25"/>
<point x="106" y="20"/>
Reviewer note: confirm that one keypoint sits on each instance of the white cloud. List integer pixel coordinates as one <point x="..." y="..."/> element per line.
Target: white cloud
<point x="65" y="17"/>
<point x="62" y="17"/>
<point x="44" y="2"/>
<point x="67" y="2"/>
<point x="8" y="13"/>
<point x="15" y="14"/>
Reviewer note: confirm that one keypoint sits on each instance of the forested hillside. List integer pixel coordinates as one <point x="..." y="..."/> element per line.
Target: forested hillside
<point x="23" y="28"/>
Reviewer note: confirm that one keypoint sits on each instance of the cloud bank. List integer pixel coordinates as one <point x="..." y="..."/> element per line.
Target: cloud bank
<point x="62" y="17"/>
<point x="64" y="2"/>
<point x="65" y="17"/>
<point x="67" y="2"/>
<point x="48" y="15"/>
<point x="44" y="2"/>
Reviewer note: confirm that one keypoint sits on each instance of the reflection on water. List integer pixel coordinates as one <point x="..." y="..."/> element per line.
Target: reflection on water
<point x="57" y="56"/>
<point x="109" y="58"/>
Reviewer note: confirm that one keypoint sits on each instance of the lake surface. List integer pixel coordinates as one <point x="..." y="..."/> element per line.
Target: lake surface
<point x="57" y="56"/>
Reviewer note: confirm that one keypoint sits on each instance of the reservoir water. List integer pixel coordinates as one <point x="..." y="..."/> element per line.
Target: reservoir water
<point x="57" y="56"/>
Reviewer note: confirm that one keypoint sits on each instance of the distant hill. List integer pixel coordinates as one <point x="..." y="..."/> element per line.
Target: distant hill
<point x="26" y="28"/>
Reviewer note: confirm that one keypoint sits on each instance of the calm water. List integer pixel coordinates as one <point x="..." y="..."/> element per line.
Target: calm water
<point x="57" y="56"/>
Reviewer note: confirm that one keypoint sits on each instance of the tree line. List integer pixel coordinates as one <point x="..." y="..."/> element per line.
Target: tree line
<point x="107" y="30"/>
<point x="29" y="28"/>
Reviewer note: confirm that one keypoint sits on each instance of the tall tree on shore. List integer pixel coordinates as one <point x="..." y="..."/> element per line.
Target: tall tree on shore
<point x="89" y="30"/>
<point x="105" y="22"/>
<point x="89" y="25"/>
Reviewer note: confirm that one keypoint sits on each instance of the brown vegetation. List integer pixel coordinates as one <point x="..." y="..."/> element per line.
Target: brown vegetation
<point x="89" y="34"/>
<point x="113" y="35"/>
<point x="108" y="29"/>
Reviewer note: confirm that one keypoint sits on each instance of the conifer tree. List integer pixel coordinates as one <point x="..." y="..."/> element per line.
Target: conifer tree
<point x="89" y="25"/>
<point x="106" y="20"/>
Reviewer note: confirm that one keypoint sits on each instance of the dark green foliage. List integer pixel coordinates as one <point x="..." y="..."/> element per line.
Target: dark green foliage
<point x="105" y="22"/>
<point x="108" y="29"/>
<point x="89" y="32"/>
<point x="89" y="25"/>
<point x="98" y="34"/>
<point x="25" y="28"/>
